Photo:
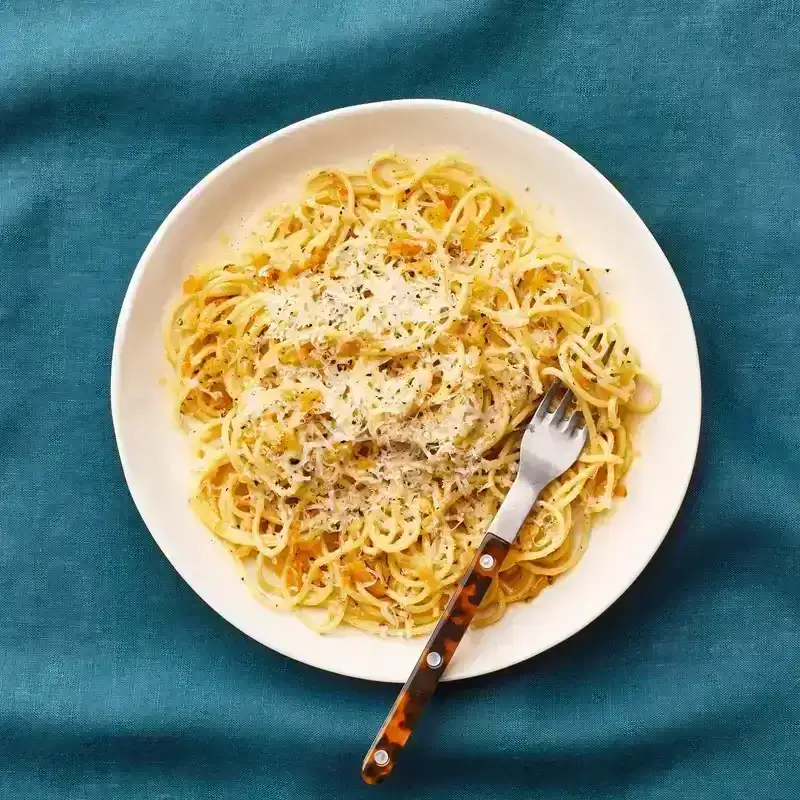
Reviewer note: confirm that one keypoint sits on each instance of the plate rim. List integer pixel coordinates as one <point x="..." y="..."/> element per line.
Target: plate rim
<point x="127" y="306"/>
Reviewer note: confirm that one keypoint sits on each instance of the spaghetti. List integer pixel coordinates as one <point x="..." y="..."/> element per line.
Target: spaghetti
<point x="355" y="378"/>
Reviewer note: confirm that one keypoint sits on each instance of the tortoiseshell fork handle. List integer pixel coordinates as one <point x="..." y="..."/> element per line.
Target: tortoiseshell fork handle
<point x="434" y="659"/>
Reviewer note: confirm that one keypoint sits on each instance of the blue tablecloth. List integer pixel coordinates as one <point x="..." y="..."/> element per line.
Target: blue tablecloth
<point x="116" y="681"/>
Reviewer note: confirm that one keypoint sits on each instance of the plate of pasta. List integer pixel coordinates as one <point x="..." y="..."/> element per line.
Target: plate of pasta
<point x="326" y="359"/>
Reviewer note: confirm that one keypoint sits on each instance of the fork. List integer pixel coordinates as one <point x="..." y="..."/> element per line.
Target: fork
<point x="550" y="445"/>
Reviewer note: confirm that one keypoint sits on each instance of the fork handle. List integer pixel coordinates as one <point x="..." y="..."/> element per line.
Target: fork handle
<point x="436" y="655"/>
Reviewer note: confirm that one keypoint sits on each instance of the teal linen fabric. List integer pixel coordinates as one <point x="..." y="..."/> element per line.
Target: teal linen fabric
<point x="116" y="681"/>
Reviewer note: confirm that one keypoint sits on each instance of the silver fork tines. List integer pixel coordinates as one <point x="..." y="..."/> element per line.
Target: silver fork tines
<point x="551" y="444"/>
<point x="546" y="402"/>
<point x="562" y="407"/>
<point x="575" y="421"/>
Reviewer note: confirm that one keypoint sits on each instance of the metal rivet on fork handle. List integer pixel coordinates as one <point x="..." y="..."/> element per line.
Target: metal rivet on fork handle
<point x="381" y="758"/>
<point x="434" y="659"/>
<point x="487" y="561"/>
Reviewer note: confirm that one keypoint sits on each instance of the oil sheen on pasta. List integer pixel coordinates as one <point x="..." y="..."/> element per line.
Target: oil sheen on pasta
<point x="355" y="378"/>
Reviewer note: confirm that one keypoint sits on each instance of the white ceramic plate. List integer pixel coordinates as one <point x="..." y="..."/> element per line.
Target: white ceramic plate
<point x="596" y="221"/>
